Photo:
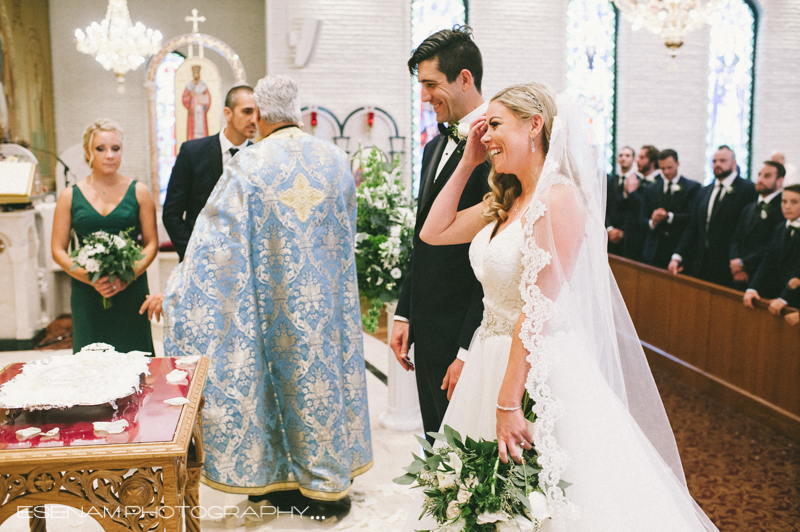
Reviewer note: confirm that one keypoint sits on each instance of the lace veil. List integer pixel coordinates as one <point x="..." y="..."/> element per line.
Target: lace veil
<point x="570" y="287"/>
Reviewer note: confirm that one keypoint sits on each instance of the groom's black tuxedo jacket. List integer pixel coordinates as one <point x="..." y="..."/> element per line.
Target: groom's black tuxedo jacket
<point x="660" y="243"/>
<point x="753" y="234"/>
<point x="705" y="245"/>
<point x="197" y="169"/>
<point x="441" y="297"/>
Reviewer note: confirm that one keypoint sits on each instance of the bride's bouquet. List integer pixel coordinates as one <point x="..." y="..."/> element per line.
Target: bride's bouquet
<point x="103" y="254"/>
<point x="385" y="233"/>
<point x="467" y="488"/>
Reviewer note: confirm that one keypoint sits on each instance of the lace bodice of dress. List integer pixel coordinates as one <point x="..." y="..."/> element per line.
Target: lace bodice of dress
<point x="497" y="263"/>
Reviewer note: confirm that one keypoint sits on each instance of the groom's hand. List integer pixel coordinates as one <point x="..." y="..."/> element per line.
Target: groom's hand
<point x="399" y="343"/>
<point x="452" y="376"/>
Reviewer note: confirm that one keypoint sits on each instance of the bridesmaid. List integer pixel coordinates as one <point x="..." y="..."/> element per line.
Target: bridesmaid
<point x="106" y="200"/>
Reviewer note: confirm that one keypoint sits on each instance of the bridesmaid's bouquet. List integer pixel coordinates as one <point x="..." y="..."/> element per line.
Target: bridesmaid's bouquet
<point x="103" y="254"/>
<point x="467" y="488"/>
<point x="385" y="233"/>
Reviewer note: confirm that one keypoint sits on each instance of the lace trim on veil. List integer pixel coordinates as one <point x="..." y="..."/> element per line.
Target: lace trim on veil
<point x="538" y="310"/>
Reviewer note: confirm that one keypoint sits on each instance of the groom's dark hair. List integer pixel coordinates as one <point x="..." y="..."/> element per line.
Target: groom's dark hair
<point x="455" y="50"/>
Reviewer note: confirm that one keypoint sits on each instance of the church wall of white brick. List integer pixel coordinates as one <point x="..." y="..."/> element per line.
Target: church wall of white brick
<point x="363" y="45"/>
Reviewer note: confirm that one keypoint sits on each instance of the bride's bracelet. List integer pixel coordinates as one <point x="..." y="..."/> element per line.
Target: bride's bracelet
<point x="508" y="408"/>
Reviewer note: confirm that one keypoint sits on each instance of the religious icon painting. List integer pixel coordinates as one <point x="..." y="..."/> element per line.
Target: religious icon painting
<point x="198" y="105"/>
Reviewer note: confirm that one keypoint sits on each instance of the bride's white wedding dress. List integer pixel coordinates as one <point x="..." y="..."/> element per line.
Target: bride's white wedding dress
<point x="619" y="482"/>
<point x="601" y="425"/>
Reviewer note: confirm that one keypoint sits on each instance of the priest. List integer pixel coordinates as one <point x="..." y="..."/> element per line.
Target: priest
<point x="268" y="290"/>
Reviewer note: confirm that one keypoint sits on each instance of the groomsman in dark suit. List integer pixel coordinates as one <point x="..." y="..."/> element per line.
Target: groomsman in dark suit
<point x="665" y="211"/>
<point x="199" y="164"/>
<point x="441" y="303"/>
<point x="758" y="220"/>
<point x="773" y="279"/>
<point x="623" y="208"/>
<point x="704" y="248"/>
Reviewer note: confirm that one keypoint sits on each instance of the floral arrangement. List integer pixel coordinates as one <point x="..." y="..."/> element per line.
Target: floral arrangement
<point x="385" y="233"/>
<point x="103" y="254"/>
<point x="467" y="488"/>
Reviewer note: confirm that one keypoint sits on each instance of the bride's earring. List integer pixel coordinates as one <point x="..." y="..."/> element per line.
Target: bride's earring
<point x="533" y="145"/>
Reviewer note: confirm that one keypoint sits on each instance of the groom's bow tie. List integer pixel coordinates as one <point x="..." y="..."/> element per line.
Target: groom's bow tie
<point x="450" y="132"/>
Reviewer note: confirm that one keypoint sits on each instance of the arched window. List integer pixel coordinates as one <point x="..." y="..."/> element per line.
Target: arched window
<point x="165" y="119"/>
<point x="592" y="68"/>
<point x="731" y="82"/>
<point x="428" y="17"/>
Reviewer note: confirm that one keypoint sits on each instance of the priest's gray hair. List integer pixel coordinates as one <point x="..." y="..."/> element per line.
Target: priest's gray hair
<point x="276" y="97"/>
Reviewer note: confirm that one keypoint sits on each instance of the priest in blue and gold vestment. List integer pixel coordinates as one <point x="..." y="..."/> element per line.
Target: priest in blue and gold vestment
<point x="268" y="290"/>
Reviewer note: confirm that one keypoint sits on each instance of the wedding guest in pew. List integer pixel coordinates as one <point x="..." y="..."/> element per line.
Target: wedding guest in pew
<point x="758" y="220"/>
<point x="704" y="248"/>
<point x="665" y="210"/>
<point x="775" y="276"/>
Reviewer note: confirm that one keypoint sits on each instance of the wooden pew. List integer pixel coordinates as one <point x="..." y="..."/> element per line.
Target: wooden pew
<point x="702" y="332"/>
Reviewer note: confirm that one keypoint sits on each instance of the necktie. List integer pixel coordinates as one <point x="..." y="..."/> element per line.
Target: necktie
<point x="715" y="199"/>
<point x="668" y="197"/>
<point x="233" y="151"/>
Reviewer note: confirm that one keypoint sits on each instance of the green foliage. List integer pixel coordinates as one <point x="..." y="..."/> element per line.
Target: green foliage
<point x="385" y="233"/>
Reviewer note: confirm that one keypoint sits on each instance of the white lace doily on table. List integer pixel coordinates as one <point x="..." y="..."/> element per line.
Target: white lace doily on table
<point x="94" y="376"/>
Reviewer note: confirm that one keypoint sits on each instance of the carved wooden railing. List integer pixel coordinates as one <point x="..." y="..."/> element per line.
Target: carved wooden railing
<point x="702" y="332"/>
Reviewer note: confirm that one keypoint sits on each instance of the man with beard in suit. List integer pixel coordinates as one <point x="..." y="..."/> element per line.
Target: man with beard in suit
<point x="440" y="304"/>
<point x="704" y="248"/>
<point x="199" y="164"/>
<point x="752" y="236"/>
<point x="647" y="163"/>
<point x="623" y="208"/>
<point x="665" y="212"/>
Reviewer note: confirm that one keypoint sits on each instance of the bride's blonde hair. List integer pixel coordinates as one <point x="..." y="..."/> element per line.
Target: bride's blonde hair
<point x="524" y="101"/>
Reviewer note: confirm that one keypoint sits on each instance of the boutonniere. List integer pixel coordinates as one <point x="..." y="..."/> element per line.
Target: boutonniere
<point x="675" y="187"/>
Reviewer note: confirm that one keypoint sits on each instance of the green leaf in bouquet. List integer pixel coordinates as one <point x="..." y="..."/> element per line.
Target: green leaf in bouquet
<point x="438" y="436"/>
<point x="95" y="277"/>
<point x="415" y="467"/>
<point x="425" y="443"/>
<point x="433" y="461"/>
<point x="521" y="497"/>
<point x="417" y="458"/>
<point x="111" y="277"/>
<point x="451" y="434"/>
<point x="563" y="485"/>
<point x="405" y="480"/>
<point x="73" y="267"/>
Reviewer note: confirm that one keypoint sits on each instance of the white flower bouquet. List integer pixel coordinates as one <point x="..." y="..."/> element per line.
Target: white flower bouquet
<point x="467" y="487"/>
<point x="103" y="254"/>
<point x="385" y="234"/>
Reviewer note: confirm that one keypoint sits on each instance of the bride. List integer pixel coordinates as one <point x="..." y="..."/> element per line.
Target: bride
<point x="555" y="325"/>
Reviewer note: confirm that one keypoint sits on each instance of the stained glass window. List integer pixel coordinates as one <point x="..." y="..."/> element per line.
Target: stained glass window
<point x="428" y="17"/>
<point x="165" y="120"/>
<point x="730" y="83"/>
<point x="592" y="68"/>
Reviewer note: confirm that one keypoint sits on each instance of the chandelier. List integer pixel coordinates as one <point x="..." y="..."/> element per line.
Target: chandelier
<point x="672" y="19"/>
<point x="116" y="43"/>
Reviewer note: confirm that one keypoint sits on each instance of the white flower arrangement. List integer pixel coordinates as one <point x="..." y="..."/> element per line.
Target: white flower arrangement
<point x="385" y="234"/>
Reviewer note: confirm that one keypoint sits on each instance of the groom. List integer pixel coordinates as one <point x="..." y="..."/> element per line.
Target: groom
<point x="440" y="303"/>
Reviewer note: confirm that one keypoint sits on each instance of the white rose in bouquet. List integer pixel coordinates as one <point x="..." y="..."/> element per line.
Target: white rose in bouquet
<point x="493" y="517"/>
<point x="92" y="266"/>
<point x="453" y="510"/>
<point x="445" y="480"/>
<point x="119" y="241"/>
<point x="539" y="508"/>
<point x="518" y="523"/>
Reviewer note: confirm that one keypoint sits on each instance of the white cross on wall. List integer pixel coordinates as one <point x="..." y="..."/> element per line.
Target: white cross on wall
<point x="194" y="19"/>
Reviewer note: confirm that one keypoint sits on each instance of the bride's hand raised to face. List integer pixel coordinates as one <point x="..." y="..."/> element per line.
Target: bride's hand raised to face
<point x="512" y="435"/>
<point x="475" y="151"/>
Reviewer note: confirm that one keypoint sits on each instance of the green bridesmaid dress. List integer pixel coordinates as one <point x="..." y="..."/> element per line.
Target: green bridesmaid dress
<point x="121" y="325"/>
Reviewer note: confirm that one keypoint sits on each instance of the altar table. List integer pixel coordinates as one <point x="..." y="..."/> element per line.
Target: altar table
<point x="146" y="478"/>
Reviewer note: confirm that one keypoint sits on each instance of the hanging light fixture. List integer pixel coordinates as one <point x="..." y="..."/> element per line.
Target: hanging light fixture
<point x="116" y="43"/>
<point x="672" y="19"/>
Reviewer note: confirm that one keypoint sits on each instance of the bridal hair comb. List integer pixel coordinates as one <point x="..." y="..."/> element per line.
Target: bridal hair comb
<point x="535" y="101"/>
